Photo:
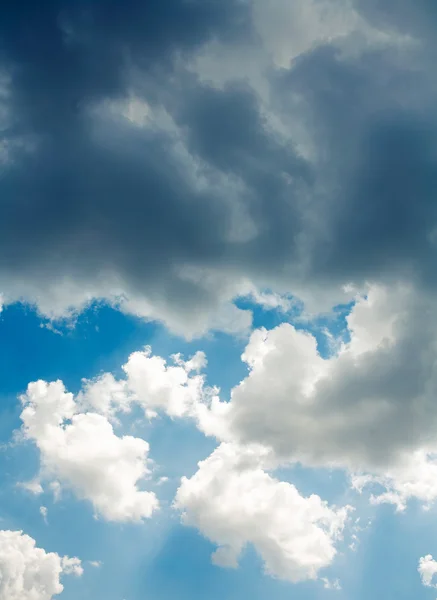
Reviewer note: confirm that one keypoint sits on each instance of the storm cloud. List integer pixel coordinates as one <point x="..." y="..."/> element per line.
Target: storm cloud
<point x="130" y="171"/>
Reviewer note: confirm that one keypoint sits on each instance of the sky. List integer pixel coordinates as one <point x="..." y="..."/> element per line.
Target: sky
<point x="218" y="343"/>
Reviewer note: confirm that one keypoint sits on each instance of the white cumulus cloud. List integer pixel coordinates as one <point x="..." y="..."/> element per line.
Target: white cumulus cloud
<point x="234" y="502"/>
<point x="81" y="451"/>
<point x="368" y="408"/>
<point x="175" y="388"/>
<point x="427" y="569"/>
<point x="30" y="573"/>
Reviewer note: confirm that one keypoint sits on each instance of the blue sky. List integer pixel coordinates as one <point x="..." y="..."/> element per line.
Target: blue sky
<point x="218" y="358"/>
<point x="161" y="558"/>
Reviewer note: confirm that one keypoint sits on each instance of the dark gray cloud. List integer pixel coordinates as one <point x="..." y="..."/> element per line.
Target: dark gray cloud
<point x="178" y="211"/>
<point x="376" y="163"/>
<point x="411" y="17"/>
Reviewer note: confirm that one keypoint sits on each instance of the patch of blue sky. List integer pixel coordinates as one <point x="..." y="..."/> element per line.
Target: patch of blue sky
<point x="384" y="565"/>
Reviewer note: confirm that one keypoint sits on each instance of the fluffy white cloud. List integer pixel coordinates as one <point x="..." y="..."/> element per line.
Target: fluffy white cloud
<point x="269" y="300"/>
<point x="30" y="573"/>
<point x="76" y="438"/>
<point x="414" y="477"/>
<point x="234" y="502"/>
<point x="427" y="569"/>
<point x="365" y="408"/>
<point x="81" y="451"/>
<point x="105" y="395"/>
<point x="157" y="386"/>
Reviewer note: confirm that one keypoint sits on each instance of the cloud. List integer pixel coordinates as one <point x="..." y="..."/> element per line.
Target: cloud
<point x="167" y="212"/>
<point x="331" y="585"/>
<point x="169" y="160"/>
<point x="413" y="478"/>
<point x="96" y="563"/>
<point x="30" y="573"/>
<point x="175" y="389"/>
<point x="367" y="407"/>
<point x="234" y="502"/>
<point x="427" y="569"/>
<point x="79" y="450"/>
<point x="43" y="512"/>
<point x="271" y="300"/>
<point x="289" y="30"/>
<point x="129" y="175"/>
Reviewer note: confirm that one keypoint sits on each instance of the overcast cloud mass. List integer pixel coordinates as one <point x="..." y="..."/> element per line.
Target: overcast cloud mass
<point x="172" y="156"/>
<point x="192" y="163"/>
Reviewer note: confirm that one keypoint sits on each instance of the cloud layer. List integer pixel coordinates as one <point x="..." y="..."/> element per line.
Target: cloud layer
<point x="140" y="164"/>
